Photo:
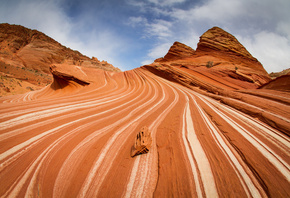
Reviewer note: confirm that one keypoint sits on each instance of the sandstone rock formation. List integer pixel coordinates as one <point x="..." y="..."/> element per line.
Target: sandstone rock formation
<point x="177" y="51"/>
<point x="229" y="60"/>
<point x="281" y="83"/>
<point x="73" y="138"/>
<point x="70" y="73"/>
<point x="25" y="57"/>
<point x="281" y="73"/>
<point x="216" y="40"/>
<point x="142" y="142"/>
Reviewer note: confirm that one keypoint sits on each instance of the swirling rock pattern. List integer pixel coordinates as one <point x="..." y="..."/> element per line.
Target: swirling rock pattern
<point x="212" y="132"/>
<point x="76" y="141"/>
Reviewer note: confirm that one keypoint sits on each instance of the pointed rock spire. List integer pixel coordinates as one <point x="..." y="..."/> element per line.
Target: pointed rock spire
<point x="177" y="51"/>
<point x="218" y="40"/>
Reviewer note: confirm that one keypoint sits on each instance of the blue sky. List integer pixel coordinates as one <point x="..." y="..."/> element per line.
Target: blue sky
<point x="131" y="33"/>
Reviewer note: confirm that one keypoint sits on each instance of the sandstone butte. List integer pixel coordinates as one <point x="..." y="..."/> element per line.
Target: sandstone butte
<point x="217" y="125"/>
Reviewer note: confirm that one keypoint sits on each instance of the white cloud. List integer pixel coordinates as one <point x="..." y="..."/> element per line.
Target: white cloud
<point x="166" y="2"/>
<point x="105" y="45"/>
<point x="160" y="23"/>
<point x="45" y="16"/>
<point x="160" y="28"/>
<point x="49" y="18"/>
<point x="134" y="21"/>
<point x="147" y="62"/>
<point x="135" y="3"/>
<point x="261" y="25"/>
<point x="159" y="3"/>
<point x="271" y="49"/>
<point x="217" y="10"/>
<point x="157" y="51"/>
<point x="284" y="28"/>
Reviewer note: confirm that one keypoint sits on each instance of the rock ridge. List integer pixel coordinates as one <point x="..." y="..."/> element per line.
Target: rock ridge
<point x="177" y="51"/>
<point x="218" y="40"/>
<point x="26" y="56"/>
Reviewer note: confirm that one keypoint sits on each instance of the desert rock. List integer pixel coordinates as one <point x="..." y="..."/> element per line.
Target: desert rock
<point x="177" y="50"/>
<point x="142" y="143"/>
<point x="281" y="83"/>
<point x="25" y="55"/>
<point x="74" y="137"/>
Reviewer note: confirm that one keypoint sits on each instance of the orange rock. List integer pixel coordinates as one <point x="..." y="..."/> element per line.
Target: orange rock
<point x="142" y="143"/>
<point x="281" y="83"/>
<point x="219" y="43"/>
<point x="232" y="66"/>
<point x="218" y="40"/>
<point x="177" y="51"/>
<point x="26" y="55"/>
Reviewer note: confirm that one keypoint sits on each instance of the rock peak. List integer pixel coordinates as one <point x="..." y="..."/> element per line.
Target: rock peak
<point x="177" y="51"/>
<point x="218" y="40"/>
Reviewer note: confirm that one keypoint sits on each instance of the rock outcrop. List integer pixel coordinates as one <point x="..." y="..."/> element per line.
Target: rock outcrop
<point x="281" y="73"/>
<point x="177" y="51"/>
<point x="142" y="142"/>
<point x="75" y="138"/>
<point x="69" y="73"/>
<point x="25" y="56"/>
<point x="229" y="77"/>
<point x="219" y="43"/>
<point x="219" y="56"/>
<point x="281" y="83"/>
<point x="216" y="40"/>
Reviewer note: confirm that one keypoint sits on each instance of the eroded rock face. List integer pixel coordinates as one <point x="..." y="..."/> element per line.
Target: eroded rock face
<point x="177" y="51"/>
<point x="69" y="73"/>
<point x="281" y="83"/>
<point x="216" y="39"/>
<point x="25" y="56"/>
<point x="218" y="42"/>
<point x="142" y="143"/>
<point x="70" y="140"/>
<point x="281" y="73"/>
<point x="231" y="64"/>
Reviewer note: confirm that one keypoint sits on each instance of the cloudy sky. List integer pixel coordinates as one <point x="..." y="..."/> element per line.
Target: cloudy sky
<point x="131" y="33"/>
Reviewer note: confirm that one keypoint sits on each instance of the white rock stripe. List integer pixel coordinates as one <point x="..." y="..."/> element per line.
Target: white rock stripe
<point x="193" y="145"/>
<point x="195" y="152"/>
<point x="29" y="171"/>
<point x="232" y="158"/>
<point x="69" y="104"/>
<point x="142" y="181"/>
<point x="88" y="140"/>
<point x="86" y="186"/>
<point x="272" y="135"/>
<point x="194" y="169"/>
<point x="51" y="112"/>
<point x="32" y="141"/>
<point x="150" y="162"/>
<point x="33" y="126"/>
<point x="37" y="165"/>
<point x="268" y="153"/>
<point x="24" y="178"/>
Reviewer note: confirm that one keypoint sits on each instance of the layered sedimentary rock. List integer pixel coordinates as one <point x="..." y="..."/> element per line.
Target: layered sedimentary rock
<point x="177" y="51"/>
<point x="281" y="73"/>
<point x="223" y="55"/>
<point x="281" y="83"/>
<point x="216" y="40"/>
<point x="142" y="142"/>
<point x="25" y="57"/>
<point x="74" y="138"/>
